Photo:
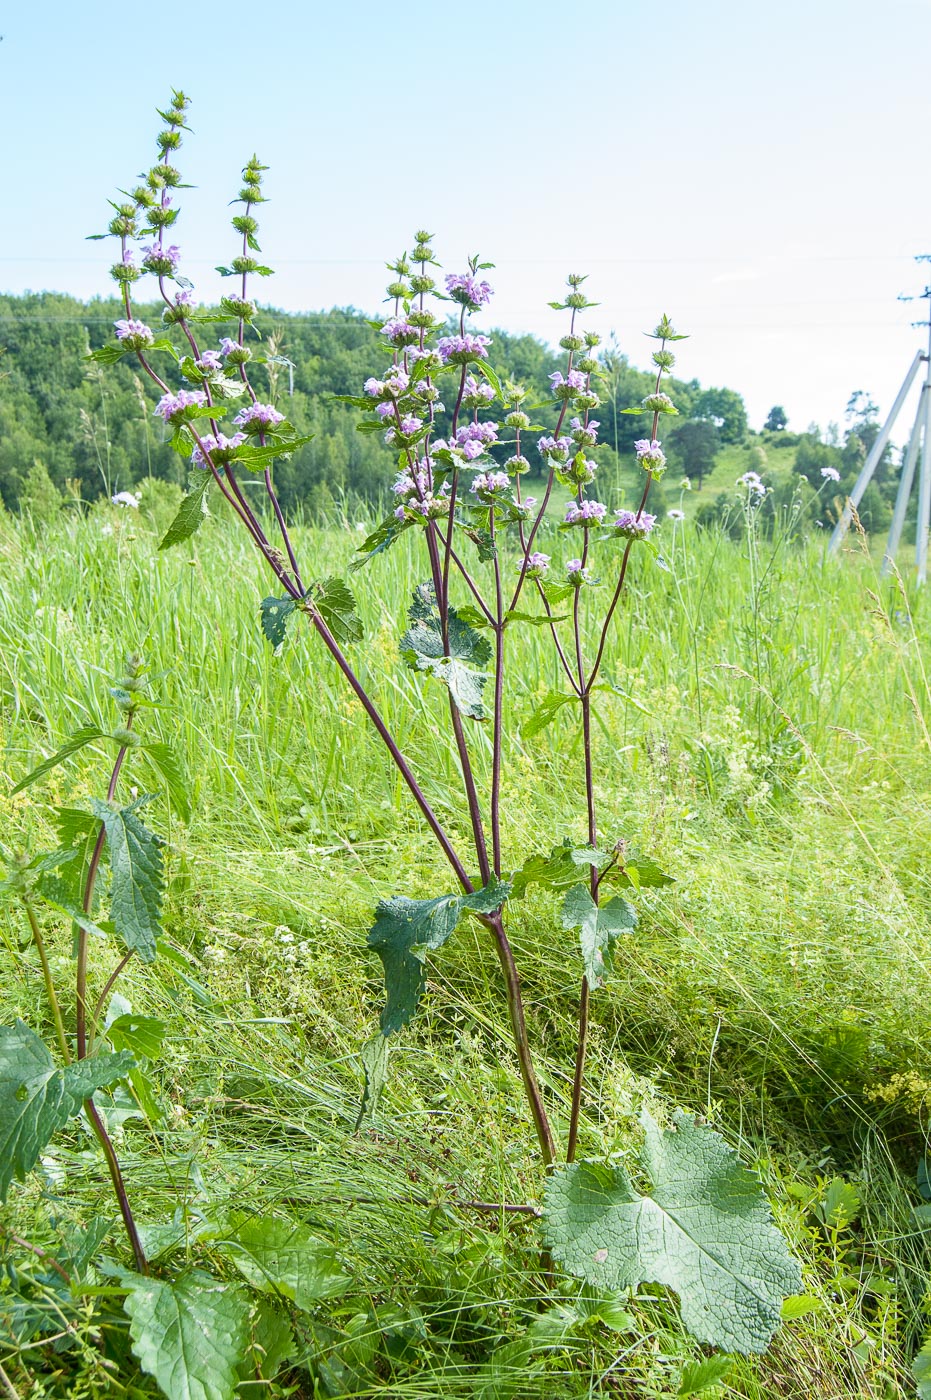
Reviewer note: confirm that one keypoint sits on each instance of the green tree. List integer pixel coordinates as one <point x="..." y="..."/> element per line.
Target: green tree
<point x="693" y="445"/>
<point x="725" y="408"/>
<point x="776" y="419"/>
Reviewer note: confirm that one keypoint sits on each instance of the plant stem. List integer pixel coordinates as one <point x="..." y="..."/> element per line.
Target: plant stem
<point x="107" y="989"/>
<point x="521" y="1042"/>
<point x="582" y="1042"/>
<point x="49" y="984"/>
<point x="119" y="1186"/>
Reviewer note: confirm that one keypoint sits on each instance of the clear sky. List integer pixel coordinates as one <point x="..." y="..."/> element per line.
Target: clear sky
<point x="759" y="171"/>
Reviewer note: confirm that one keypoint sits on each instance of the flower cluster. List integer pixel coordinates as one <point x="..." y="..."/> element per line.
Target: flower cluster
<point x="258" y="418"/>
<point x="173" y="408"/>
<point x="659" y="403"/>
<point x="830" y="473"/>
<point x="465" y="288"/>
<point x="408" y="426"/>
<point x="537" y="564"/>
<point x="126" y="498"/>
<point x="650" y="456"/>
<point x="486" y="484"/>
<point x="209" y="362"/>
<point x="586" y="514"/>
<point x="161" y="260"/>
<point x="462" y="349"/>
<point x="554" y="449"/>
<point x="476" y="395"/>
<point x="635" y="526"/>
<point x="576" y="573"/>
<point x="133" y="335"/>
<point x="219" y="448"/>
<point x="400" y="332"/>
<point x="753" y="484"/>
<point x="233" y="353"/>
<point x="584" y="434"/>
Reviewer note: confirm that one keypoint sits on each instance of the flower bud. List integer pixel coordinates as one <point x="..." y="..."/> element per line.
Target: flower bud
<point x="572" y="342"/>
<point x="421" y="318"/>
<point x="168" y="140"/>
<point x="237" y="306"/>
<point x="421" y="285"/>
<point x="517" y="420"/>
<point x="587" y="365"/>
<point x="592" y="338"/>
<point x="396" y="289"/>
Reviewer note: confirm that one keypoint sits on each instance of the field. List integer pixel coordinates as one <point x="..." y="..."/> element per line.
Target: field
<point x="769" y="746"/>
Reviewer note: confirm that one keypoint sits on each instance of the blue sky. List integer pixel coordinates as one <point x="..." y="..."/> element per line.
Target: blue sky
<point x="757" y="171"/>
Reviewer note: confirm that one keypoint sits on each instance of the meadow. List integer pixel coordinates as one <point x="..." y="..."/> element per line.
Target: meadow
<point x="767" y="743"/>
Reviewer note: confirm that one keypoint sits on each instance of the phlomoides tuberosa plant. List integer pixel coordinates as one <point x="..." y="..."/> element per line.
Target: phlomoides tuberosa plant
<point x="703" y="1226"/>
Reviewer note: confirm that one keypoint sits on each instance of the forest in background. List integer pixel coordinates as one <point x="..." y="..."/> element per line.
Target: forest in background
<point x="69" y="431"/>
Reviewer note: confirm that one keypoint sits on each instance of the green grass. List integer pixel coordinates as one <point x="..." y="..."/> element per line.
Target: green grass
<point x="772" y="752"/>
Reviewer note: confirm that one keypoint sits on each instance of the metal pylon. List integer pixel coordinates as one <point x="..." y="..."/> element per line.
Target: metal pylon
<point x="919" y="443"/>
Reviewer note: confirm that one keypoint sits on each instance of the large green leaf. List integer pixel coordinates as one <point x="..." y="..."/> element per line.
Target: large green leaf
<point x="705" y="1230"/>
<point x="60" y="889"/>
<point x="190" y="1334"/>
<point x="166" y="765"/>
<point x="76" y="742"/>
<point x="192" y="513"/>
<point x="37" y="1097"/>
<point x="405" y="930"/>
<point x="272" y="1344"/>
<point x="277" y="1256"/>
<point x="137" y="878"/>
<point x="557" y="871"/>
<point x="423" y="650"/>
<point x="334" y="602"/>
<point x="275" y="613"/>
<point x="600" y="926"/>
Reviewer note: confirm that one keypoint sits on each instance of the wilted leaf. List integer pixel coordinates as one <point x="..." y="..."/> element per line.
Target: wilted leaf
<point x="705" y="1230"/>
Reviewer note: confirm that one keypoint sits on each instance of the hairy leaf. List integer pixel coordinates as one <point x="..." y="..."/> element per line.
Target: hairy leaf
<point x="558" y="870"/>
<point x="272" y="1344"/>
<point x="381" y="538"/>
<point x="545" y="713"/>
<point x="600" y="926"/>
<point x="166" y="765"/>
<point x="405" y="930"/>
<point x="37" y="1098"/>
<point x="705" y="1230"/>
<point x="275" y="613"/>
<point x="639" y="872"/>
<point x="277" y="1256"/>
<point x="334" y="602"/>
<point x="61" y="889"/>
<point x="256" y="459"/>
<point x="137" y="878"/>
<point x="190" y="1334"/>
<point x="192" y="513"/>
<point x="699" y="1376"/>
<point x="76" y="742"/>
<point x="423" y="650"/>
<point x="374" y="1055"/>
<point x="143" y="1035"/>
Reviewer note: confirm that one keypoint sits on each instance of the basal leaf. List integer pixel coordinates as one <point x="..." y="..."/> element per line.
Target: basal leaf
<point x="405" y="930"/>
<point x="37" y="1097"/>
<point x="192" y="513"/>
<point x="136" y="878"/>
<point x="545" y="713"/>
<point x="705" y="1230"/>
<point x="334" y="601"/>
<point x="599" y="927"/>
<point x="272" y="1345"/>
<point x="76" y="742"/>
<point x="190" y="1334"/>
<point x="275" y="613"/>
<point x="167" y="767"/>
<point x="423" y="649"/>
<point x="277" y="1256"/>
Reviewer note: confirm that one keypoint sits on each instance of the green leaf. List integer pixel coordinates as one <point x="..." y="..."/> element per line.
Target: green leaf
<point x="558" y="870"/>
<point x="487" y="549"/>
<point x="839" y="1205"/>
<point x="800" y="1305"/>
<point x="143" y="1035"/>
<point x="272" y="1346"/>
<point x="374" y="1054"/>
<point x="405" y="930"/>
<point x="381" y="538"/>
<point x="167" y="767"/>
<point x="37" y="1098"/>
<point x="137" y="878"/>
<point x="277" y="1256"/>
<point x="921" y="1370"/>
<point x="545" y="713"/>
<point x="275" y="613"/>
<point x="639" y="872"/>
<point x="699" y="1376"/>
<point x="192" y="513"/>
<point x="423" y="650"/>
<point x="334" y="602"/>
<point x="556" y="593"/>
<point x="600" y="926"/>
<point x="256" y="459"/>
<point x="77" y="741"/>
<point x="705" y="1230"/>
<point x="64" y="893"/>
<point x="190" y="1334"/>
<point x="535" y="619"/>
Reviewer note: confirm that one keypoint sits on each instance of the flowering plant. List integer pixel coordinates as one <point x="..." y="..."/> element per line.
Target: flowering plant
<point x="464" y="440"/>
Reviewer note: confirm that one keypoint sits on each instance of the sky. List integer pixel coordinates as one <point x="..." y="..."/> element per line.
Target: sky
<point x="757" y="171"/>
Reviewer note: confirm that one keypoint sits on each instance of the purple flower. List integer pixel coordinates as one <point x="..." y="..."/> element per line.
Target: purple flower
<point x="400" y="332"/>
<point x="129" y="260"/>
<point x="171" y="407"/>
<point x="634" y="526"/>
<point x="460" y="349"/>
<point x="384" y="410"/>
<point x="587" y="514"/>
<point x="219" y="448"/>
<point x="135" y="335"/>
<point x="472" y="450"/>
<point x="517" y="465"/>
<point x="554" y="447"/>
<point x="676" y="514"/>
<point x="409" y="426"/>
<point x="465" y="288"/>
<point x="409" y="484"/>
<point x="373" y="387"/>
<point x="488" y="482"/>
<point x="585" y="434"/>
<point x="209" y="362"/>
<point x="573" y="383"/>
<point x="184" y="298"/>
<point x="126" y="498"/>
<point x="476" y="432"/>
<point x="650" y="455"/>
<point x="475" y="394"/>
<point x="830" y="473"/>
<point x="537" y="564"/>
<point x="157" y="258"/>
<point x="576" y="574"/>
<point x="258" y="417"/>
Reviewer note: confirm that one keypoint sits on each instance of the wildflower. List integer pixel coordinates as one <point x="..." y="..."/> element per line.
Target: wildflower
<point x="476" y="432"/>
<point x="475" y="395"/>
<point x="135" y="335"/>
<point x="830" y="473"/>
<point x="157" y="258"/>
<point x="517" y="465"/>
<point x="685" y="484"/>
<point x="407" y="484"/>
<point x="486" y="483"/>
<point x="472" y="449"/>
<point x="568" y="387"/>
<point x="676" y="514"/>
<point x="636" y="527"/>
<point x="209" y="362"/>
<point x="576" y="574"/>
<point x="384" y="410"/>
<point x="659" y="403"/>
<point x="524" y="509"/>
<point x="556" y="448"/>
<point x="234" y="353"/>
<point x="126" y="498"/>
<point x="754" y="485"/>
<point x="258" y="418"/>
<point x="427" y="509"/>
<point x="651" y="456"/>
<point x="587" y="514"/>
<point x="219" y="448"/>
<point x="465" y="288"/>
<point x="374" y="387"/>
<point x="585" y="434"/>
<point x="408" y="427"/>
<point x="400" y="332"/>
<point x="172" y="407"/>
<point x="537" y="564"/>
<point x="461" y="349"/>
<point x="396" y="382"/>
